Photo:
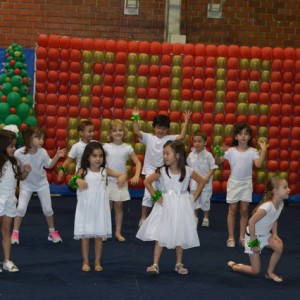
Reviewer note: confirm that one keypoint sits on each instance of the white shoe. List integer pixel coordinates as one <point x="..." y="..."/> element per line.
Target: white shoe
<point x="10" y="266"/>
<point x="205" y="222"/>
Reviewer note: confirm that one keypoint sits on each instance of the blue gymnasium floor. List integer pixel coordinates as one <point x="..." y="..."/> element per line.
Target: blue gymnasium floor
<point x="53" y="271"/>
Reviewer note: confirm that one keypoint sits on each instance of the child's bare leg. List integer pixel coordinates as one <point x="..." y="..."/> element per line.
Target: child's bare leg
<point x="196" y="211"/>
<point x="157" y="253"/>
<point x="98" y="251"/>
<point x="118" y="207"/>
<point x="244" y="208"/>
<point x="145" y="212"/>
<point x="206" y="214"/>
<point x="85" y="252"/>
<point x="276" y="245"/>
<point x="17" y="222"/>
<point x="6" y="236"/>
<point x="253" y="269"/>
<point x="232" y="209"/>
<point x="50" y="221"/>
<point x="111" y="204"/>
<point x="179" y="255"/>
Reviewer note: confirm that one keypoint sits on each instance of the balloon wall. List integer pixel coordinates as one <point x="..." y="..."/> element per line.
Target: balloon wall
<point x="16" y="102"/>
<point x="222" y="85"/>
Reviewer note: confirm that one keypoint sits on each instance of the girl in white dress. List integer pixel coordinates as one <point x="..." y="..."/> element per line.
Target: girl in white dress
<point x="171" y="224"/>
<point x="262" y="230"/>
<point x="117" y="154"/>
<point x="92" y="217"/>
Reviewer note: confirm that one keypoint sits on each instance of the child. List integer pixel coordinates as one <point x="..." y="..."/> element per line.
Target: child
<point x="171" y="223"/>
<point x="203" y="163"/>
<point x="154" y="145"/>
<point x="262" y="230"/>
<point x="239" y="185"/>
<point x="9" y="174"/>
<point x="92" y="218"/>
<point x="117" y="154"/>
<point x="86" y="133"/>
<point x="36" y="181"/>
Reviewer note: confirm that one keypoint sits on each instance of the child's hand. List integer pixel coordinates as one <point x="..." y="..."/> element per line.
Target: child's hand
<point x="256" y="250"/>
<point x="122" y="180"/>
<point x="187" y="116"/>
<point x="135" y="111"/>
<point x="262" y="142"/>
<point x="161" y="201"/>
<point x="134" y="180"/>
<point x="82" y="185"/>
<point x="61" y="153"/>
<point x="27" y="168"/>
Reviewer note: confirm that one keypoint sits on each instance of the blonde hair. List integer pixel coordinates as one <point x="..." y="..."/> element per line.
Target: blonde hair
<point x="114" y="124"/>
<point x="272" y="183"/>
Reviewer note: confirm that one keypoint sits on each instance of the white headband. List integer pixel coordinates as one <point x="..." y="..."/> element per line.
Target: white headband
<point x="12" y="128"/>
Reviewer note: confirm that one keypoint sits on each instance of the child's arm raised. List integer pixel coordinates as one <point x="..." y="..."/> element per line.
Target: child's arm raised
<point x="138" y="167"/>
<point x="135" y="117"/>
<point x="122" y="178"/>
<point x="187" y="115"/>
<point x="59" y="153"/>
<point x="148" y="185"/>
<point x="201" y="183"/>
<point x="263" y="146"/>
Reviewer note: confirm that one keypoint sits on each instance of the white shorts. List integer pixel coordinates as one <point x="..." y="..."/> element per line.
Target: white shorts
<point x="264" y="241"/>
<point x="8" y="205"/>
<point x="147" y="200"/>
<point x="116" y="194"/>
<point x="239" y="190"/>
<point x="203" y="201"/>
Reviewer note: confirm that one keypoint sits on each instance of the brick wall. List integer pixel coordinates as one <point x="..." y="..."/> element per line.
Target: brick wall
<point x="273" y="23"/>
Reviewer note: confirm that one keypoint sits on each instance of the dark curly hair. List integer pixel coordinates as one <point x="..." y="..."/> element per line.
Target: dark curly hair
<point x="6" y="138"/>
<point x="238" y="128"/>
<point x="85" y="164"/>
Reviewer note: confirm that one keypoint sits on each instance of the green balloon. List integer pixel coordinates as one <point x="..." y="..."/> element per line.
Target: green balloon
<point x="13" y="119"/>
<point x="23" y="73"/>
<point x="13" y="99"/>
<point x="30" y="100"/>
<point x="23" y="110"/>
<point x="31" y="120"/>
<point x="23" y="91"/>
<point x="6" y="88"/>
<point x="16" y="80"/>
<point x="4" y="108"/>
<point x="2" y="78"/>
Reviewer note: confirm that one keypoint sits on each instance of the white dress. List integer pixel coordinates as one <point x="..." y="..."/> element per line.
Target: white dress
<point x="173" y="223"/>
<point x="92" y="217"/>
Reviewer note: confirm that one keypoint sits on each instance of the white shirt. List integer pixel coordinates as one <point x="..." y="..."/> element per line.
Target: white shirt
<point x="116" y="158"/>
<point x="154" y="151"/>
<point x="202" y="163"/>
<point x="265" y="224"/>
<point x="8" y="182"/>
<point x="36" y="180"/>
<point x="241" y="163"/>
<point x="76" y="153"/>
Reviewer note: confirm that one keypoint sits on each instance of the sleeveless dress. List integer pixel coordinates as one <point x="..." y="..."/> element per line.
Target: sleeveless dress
<point x="92" y="217"/>
<point x="173" y="223"/>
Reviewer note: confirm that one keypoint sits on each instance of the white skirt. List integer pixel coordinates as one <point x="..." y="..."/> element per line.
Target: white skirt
<point x="117" y="194"/>
<point x="173" y="223"/>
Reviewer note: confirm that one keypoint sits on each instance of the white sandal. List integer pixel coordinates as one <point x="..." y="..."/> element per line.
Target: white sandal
<point x="180" y="269"/>
<point x="10" y="266"/>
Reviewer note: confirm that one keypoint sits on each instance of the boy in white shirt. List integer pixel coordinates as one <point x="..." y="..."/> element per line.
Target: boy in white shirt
<point x="154" y="149"/>
<point x="203" y="163"/>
